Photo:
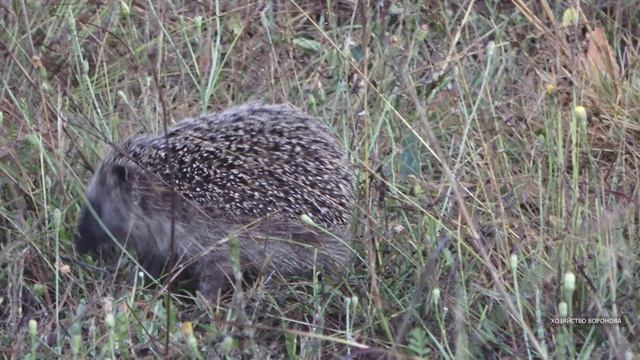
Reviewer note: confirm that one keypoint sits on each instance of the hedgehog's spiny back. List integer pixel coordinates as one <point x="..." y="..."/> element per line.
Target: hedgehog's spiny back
<point x="253" y="160"/>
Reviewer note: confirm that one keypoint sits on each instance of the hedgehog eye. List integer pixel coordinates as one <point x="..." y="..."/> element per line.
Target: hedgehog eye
<point x="120" y="174"/>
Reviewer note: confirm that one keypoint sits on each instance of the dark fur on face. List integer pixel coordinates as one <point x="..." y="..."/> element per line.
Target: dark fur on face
<point x="97" y="216"/>
<point x="247" y="173"/>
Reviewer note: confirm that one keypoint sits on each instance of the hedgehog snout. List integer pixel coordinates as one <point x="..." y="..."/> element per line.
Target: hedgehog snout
<point x="90" y="234"/>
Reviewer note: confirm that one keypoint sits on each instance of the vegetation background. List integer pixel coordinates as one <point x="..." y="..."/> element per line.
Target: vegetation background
<point x="496" y="146"/>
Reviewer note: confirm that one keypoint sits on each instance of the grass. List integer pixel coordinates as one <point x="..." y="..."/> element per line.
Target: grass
<point x="495" y="150"/>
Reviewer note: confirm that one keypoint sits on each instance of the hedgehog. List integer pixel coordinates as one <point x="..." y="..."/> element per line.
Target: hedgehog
<point x="269" y="178"/>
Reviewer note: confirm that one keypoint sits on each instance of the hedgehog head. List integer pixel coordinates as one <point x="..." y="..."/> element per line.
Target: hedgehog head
<point x="104" y="217"/>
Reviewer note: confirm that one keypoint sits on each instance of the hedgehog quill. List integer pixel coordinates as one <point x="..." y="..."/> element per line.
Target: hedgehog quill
<point x="253" y="172"/>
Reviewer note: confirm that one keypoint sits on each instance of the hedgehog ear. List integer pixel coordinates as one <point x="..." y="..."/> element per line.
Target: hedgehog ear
<point x="120" y="174"/>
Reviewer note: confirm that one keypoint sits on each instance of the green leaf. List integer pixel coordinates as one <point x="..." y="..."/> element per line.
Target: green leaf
<point x="307" y="44"/>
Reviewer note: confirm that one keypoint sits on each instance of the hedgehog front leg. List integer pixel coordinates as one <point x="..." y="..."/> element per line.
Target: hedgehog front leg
<point x="216" y="276"/>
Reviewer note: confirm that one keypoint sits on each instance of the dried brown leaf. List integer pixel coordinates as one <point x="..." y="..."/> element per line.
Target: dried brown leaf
<point x="600" y="56"/>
